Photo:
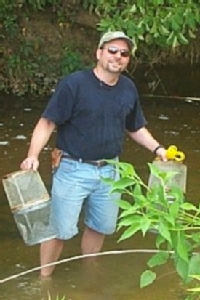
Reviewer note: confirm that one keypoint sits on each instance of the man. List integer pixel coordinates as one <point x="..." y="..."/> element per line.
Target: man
<point x="91" y="110"/>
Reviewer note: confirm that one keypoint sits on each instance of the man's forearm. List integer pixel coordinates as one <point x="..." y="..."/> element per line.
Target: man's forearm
<point x="144" y="138"/>
<point x="40" y="137"/>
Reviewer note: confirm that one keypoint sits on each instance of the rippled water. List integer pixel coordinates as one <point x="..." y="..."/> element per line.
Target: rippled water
<point x="112" y="277"/>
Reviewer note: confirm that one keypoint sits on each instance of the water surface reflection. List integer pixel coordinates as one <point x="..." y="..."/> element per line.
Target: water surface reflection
<point x="113" y="277"/>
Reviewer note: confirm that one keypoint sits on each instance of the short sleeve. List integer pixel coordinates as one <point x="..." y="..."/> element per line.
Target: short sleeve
<point x="135" y="119"/>
<point x="60" y="105"/>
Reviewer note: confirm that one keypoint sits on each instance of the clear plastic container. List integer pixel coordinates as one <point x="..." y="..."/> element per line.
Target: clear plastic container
<point x="30" y="204"/>
<point x="177" y="180"/>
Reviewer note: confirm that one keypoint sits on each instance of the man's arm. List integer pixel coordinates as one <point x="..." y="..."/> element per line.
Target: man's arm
<point x="40" y="137"/>
<point x="144" y="138"/>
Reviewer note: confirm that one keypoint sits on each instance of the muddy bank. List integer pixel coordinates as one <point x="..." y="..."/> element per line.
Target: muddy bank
<point x="45" y="50"/>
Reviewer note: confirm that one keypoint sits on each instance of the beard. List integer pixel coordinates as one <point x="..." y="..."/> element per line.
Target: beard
<point x="115" y="67"/>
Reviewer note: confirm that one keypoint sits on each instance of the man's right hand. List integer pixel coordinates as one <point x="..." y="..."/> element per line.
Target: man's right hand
<point x="30" y="163"/>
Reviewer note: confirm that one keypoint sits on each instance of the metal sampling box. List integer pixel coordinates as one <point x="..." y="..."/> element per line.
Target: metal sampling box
<point x="30" y="204"/>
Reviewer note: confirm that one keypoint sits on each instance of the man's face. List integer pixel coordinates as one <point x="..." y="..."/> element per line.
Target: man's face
<point x="114" y="56"/>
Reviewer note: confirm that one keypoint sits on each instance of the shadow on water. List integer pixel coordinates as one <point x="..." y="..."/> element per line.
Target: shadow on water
<point x="113" y="277"/>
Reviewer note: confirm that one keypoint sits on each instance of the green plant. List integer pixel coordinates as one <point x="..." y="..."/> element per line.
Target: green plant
<point x="71" y="61"/>
<point x="27" y="72"/>
<point x="177" y="222"/>
<point x="57" y="298"/>
<point x="10" y="25"/>
<point x="155" y="22"/>
<point x="29" y="68"/>
<point x="156" y="26"/>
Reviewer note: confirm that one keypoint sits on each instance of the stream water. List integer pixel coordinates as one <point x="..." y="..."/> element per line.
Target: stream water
<point x="112" y="277"/>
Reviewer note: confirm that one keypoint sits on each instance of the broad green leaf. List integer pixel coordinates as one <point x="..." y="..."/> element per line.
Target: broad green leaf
<point x="126" y="169"/>
<point x="154" y="170"/>
<point x="182" y="250"/>
<point x="192" y="35"/>
<point x="194" y="265"/>
<point x="147" y="278"/>
<point x="163" y="30"/>
<point x="189" y="206"/>
<point x="124" y="204"/>
<point x="130" y="231"/>
<point x="140" y="199"/>
<point x="158" y="259"/>
<point x="175" y="42"/>
<point x="133" y="9"/>
<point x="182" y="39"/>
<point x="174" y="210"/>
<point x="145" y="225"/>
<point x="170" y="219"/>
<point x="195" y="237"/>
<point x="164" y="231"/>
<point x="131" y="211"/>
<point x="141" y="37"/>
<point x="128" y="221"/>
<point x="170" y="38"/>
<point x="137" y="189"/>
<point x="182" y="268"/>
<point x="159" y="241"/>
<point x="175" y="25"/>
<point x="123" y="183"/>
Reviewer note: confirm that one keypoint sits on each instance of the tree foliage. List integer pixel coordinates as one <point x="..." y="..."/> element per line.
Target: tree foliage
<point x="156" y="27"/>
<point x="154" y="22"/>
<point x="163" y="211"/>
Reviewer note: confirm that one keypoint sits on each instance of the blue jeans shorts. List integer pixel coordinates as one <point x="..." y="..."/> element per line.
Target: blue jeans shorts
<point x="78" y="186"/>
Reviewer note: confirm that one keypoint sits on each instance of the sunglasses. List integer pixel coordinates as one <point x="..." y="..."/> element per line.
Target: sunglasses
<point x="114" y="50"/>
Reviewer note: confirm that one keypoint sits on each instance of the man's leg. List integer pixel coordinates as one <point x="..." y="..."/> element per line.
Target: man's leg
<point x="92" y="241"/>
<point x="67" y="199"/>
<point x="101" y="211"/>
<point x="50" y="252"/>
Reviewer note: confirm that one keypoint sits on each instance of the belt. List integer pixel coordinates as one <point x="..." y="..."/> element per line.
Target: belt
<point x="97" y="163"/>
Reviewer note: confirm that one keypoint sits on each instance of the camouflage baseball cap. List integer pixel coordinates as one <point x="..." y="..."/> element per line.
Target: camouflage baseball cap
<point x="114" y="35"/>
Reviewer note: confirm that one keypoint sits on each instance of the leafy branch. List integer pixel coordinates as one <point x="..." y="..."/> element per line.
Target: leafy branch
<point x="152" y="22"/>
<point x="164" y="211"/>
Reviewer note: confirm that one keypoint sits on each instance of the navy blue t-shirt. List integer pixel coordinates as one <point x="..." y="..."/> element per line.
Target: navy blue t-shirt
<point x="92" y="117"/>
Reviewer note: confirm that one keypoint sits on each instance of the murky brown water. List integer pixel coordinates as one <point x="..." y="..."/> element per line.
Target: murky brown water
<point x="113" y="277"/>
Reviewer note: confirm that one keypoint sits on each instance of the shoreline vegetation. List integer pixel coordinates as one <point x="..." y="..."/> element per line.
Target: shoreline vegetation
<point x="47" y="39"/>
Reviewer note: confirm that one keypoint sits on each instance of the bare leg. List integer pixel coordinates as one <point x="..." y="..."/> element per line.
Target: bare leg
<point x="92" y="242"/>
<point x="50" y="252"/>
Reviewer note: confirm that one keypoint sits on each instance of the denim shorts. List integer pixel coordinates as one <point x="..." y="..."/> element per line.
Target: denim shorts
<point x="78" y="186"/>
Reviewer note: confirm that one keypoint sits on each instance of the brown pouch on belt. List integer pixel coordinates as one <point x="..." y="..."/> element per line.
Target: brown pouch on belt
<point x="56" y="155"/>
